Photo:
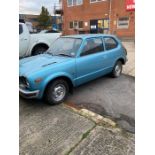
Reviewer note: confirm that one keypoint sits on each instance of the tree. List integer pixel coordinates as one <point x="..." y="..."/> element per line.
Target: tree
<point x="44" y="18"/>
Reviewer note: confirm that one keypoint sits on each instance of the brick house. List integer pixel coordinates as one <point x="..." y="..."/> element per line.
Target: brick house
<point x="98" y="16"/>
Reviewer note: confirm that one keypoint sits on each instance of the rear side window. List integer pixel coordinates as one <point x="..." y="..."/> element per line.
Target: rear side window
<point x="20" y="29"/>
<point x="110" y="43"/>
<point x="52" y="31"/>
<point x="91" y="46"/>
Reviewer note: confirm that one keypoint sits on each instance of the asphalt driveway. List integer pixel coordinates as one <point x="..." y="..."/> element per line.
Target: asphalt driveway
<point x="113" y="97"/>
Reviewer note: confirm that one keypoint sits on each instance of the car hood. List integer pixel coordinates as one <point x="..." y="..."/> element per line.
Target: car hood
<point x="36" y="63"/>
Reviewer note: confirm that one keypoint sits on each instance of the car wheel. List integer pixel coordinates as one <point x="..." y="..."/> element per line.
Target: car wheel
<point x="39" y="50"/>
<point x="56" y="92"/>
<point x="117" y="70"/>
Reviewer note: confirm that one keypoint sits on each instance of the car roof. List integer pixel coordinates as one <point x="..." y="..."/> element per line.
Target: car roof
<point x="85" y="36"/>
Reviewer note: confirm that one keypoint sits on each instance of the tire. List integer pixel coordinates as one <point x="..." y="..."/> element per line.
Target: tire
<point x="117" y="70"/>
<point x="56" y="92"/>
<point x="39" y="50"/>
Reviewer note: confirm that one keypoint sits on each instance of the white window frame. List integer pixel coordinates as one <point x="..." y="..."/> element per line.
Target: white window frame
<point x="77" y="24"/>
<point x="97" y="1"/>
<point x="82" y="24"/>
<point x="123" y="26"/>
<point x="68" y="3"/>
<point x="74" y="4"/>
<point x="73" y="25"/>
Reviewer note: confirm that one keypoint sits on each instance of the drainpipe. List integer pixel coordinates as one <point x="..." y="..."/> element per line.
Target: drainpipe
<point x="110" y="1"/>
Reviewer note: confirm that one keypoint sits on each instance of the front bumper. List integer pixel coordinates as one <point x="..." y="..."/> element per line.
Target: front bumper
<point x="28" y="94"/>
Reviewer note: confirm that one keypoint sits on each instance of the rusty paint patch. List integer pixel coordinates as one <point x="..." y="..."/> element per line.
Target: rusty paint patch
<point x="73" y="105"/>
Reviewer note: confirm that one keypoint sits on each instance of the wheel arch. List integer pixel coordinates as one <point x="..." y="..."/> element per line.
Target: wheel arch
<point x="122" y="60"/>
<point x="39" y="45"/>
<point x="64" y="77"/>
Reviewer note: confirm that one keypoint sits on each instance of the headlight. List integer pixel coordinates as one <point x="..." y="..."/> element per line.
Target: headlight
<point x="23" y="81"/>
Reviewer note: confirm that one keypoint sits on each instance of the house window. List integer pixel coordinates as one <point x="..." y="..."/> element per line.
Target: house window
<point x="71" y="25"/>
<point x="74" y="2"/>
<point x="94" y="1"/>
<point x="76" y="24"/>
<point x="70" y="2"/>
<point x="123" y="23"/>
<point x="80" y="24"/>
<point x="79" y="2"/>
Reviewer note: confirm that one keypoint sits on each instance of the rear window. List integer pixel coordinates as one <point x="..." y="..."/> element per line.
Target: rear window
<point x="20" y="29"/>
<point x="52" y="31"/>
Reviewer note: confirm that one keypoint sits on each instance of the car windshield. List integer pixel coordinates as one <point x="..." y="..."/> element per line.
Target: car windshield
<point x="65" y="47"/>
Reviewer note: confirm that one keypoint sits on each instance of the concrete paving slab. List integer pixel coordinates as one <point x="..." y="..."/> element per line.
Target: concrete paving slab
<point x="49" y="130"/>
<point x="103" y="141"/>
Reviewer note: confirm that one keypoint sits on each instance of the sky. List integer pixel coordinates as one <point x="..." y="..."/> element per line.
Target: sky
<point x="34" y="6"/>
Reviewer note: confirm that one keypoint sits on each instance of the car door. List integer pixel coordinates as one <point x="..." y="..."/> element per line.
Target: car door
<point x="90" y="62"/>
<point x="23" y="41"/>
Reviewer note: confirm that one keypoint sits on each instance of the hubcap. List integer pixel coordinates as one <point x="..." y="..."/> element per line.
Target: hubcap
<point x="59" y="92"/>
<point x="118" y="70"/>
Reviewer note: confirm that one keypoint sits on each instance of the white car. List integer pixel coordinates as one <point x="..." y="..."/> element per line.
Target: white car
<point x="33" y="44"/>
<point x="50" y="31"/>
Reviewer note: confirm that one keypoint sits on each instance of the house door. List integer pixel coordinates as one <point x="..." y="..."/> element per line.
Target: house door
<point x="99" y="26"/>
<point x="93" y="26"/>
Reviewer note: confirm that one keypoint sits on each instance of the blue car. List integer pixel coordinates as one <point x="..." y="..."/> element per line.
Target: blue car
<point x="69" y="62"/>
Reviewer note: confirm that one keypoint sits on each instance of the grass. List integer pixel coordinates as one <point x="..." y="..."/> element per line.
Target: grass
<point x="84" y="136"/>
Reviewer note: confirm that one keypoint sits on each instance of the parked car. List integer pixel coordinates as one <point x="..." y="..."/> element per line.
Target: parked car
<point x="70" y="61"/>
<point x="29" y="26"/>
<point x="34" y="44"/>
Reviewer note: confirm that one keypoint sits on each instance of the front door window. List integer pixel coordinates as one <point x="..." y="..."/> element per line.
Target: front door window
<point x="92" y="46"/>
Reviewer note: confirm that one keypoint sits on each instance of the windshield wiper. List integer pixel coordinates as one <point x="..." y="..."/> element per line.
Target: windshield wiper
<point x="63" y="54"/>
<point x="49" y="53"/>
